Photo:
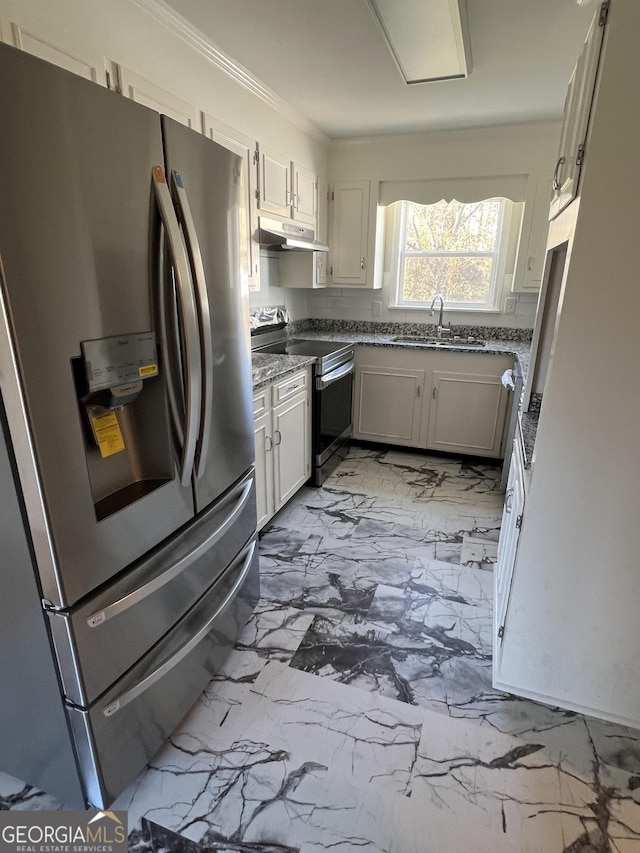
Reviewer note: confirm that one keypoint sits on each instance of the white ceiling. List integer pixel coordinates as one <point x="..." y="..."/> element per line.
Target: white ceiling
<point x="328" y="59"/>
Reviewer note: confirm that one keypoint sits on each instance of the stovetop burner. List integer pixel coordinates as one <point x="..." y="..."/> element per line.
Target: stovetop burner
<point x="328" y="354"/>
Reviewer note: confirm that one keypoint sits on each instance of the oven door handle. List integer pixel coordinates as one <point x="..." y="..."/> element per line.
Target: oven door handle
<point x="323" y="382"/>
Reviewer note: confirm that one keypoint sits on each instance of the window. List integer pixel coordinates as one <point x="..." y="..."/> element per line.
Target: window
<point x="454" y="249"/>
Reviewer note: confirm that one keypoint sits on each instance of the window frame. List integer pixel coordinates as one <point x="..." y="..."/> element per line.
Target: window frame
<point x="509" y="212"/>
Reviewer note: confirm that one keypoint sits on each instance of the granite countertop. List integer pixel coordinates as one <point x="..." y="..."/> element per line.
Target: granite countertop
<point x="519" y="349"/>
<point x="266" y="367"/>
<point x="528" y="429"/>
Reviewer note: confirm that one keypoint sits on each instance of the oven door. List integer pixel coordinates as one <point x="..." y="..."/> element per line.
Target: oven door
<point x="332" y="424"/>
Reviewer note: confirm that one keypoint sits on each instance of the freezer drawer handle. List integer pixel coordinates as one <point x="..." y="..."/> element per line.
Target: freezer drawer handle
<point x="135" y="691"/>
<point x="191" y="337"/>
<point x="122" y="604"/>
<point x="204" y="311"/>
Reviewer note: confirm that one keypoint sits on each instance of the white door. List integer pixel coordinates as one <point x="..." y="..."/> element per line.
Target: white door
<point x="350" y="227"/>
<point x="275" y="183"/>
<point x="388" y="404"/>
<point x="304" y="196"/>
<point x="264" y="468"/>
<point x="245" y="148"/>
<point x="467" y="413"/>
<point x="577" y="110"/>
<point x="512" y="516"/>
<point x="143" y="91"/>
<point x="43" y="39"/>
<point x="292" y="454"/>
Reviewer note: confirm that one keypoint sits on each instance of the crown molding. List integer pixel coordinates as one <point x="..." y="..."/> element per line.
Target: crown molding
<point x="196" y="39"/>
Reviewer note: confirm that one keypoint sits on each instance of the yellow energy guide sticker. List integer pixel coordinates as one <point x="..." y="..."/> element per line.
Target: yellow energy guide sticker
<point x="148" y="370"/>
<point x="106" y="430"/>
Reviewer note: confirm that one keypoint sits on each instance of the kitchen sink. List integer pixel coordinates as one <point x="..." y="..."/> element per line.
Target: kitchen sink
<point x="431" y="341"/>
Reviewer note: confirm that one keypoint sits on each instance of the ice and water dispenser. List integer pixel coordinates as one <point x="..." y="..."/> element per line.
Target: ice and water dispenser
<point x="126" y="432"/>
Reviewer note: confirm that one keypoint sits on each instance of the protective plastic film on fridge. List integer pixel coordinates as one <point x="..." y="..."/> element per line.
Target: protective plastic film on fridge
<point x="126" y="427"/>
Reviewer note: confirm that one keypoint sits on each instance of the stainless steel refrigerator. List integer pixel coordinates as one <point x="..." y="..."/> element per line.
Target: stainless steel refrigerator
<point x="126" y="450"/>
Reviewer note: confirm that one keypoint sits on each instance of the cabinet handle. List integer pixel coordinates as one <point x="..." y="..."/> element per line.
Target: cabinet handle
<point x="361" y="263"/>
<point x="279" y="437"/>
<point x="419" y="391"/>
<point x="556" y="174"/>
<point x="293" y="387"/>
<point x="434" y="393"/>
<point x="270" y="440"/>
<point x="530" y="264"/>
<point x="508" y="500"/>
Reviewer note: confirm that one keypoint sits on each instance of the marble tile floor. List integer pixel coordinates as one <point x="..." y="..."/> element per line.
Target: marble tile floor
<point x="357" y="712"/>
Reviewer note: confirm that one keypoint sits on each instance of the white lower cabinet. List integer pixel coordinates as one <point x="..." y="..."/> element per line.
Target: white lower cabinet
<point x="467" y="413"/>
<point x="282" y="430"/>
<point x="388" y="404"/>
<point x="432" y="399"/>
<point x="512" y="516"/>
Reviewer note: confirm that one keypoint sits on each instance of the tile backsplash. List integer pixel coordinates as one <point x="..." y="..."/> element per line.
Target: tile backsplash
<point x="333" y="303"/>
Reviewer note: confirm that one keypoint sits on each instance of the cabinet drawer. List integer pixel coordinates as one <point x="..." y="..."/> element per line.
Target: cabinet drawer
<point x="261" y="401"/>
<point x="291" y="385"/>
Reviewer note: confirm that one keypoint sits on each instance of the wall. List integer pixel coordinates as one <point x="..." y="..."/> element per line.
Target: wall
<point x="508" y="150"/>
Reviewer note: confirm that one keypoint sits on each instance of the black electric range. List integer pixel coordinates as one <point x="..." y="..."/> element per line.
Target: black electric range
<point x="328" y="354"/>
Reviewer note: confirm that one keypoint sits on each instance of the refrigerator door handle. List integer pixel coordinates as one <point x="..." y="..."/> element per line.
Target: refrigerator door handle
<point x="191" y="336"/>
<point x="202" y="304"/>
<point x="163" y="321"/>
<point x="149" y="680"/>
<point x="100" y="616"/>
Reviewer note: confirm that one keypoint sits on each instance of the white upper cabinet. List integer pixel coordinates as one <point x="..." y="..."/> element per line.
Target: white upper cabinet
<point x="533" y="241"/>
<point x="305" y="190"/>
<point x="286" y="189"/>
<point x="242" y="145"/>
<point x="46" y="41"/>
<point x="577" y="109"/>
<point x="144" y="91"/>
<point x="275" y="183"/>
<point x="350" y="232"/>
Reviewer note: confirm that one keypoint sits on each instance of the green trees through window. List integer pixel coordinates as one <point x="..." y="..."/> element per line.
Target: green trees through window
<point x="449" y="248"/>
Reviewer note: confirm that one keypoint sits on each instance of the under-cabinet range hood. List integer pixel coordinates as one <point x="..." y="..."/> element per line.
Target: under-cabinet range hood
<point x="273" y="234"/>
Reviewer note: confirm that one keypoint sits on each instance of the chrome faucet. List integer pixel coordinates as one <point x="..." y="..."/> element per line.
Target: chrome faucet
<point x="432" y="311"/>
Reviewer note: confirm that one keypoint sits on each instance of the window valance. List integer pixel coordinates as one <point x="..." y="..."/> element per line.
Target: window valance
<point x="465" y="190"/>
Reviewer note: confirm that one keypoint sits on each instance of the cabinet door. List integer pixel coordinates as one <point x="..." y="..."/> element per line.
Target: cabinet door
<point x="291" y="447"/>
<point x="349" y="232"/>
<point x="264" y="468"/>
<point x="44" y="40"/>
<point x="305" y="186"/>
<point x="388" y="404"/>
<point x="467" y="413"/>
<point x="143" y="91"/>
<point x="512" y="516"/>
<point x="245" y="148"/>
<point x="275" y="183"/>
<point x="534" y="231"/>
<point x="320" y="278"/>
<point x="577" y="109"/>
